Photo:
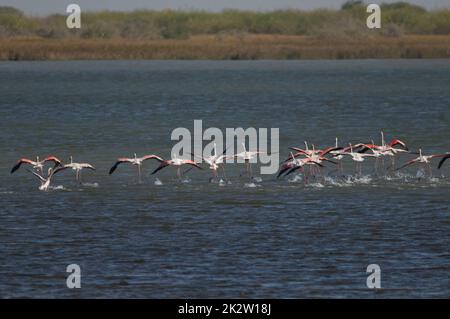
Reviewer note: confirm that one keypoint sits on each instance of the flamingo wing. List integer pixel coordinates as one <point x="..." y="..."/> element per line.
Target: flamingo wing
<point x="438" y="155"/>
<point x="20" y="162"/>
<point x="284" y="167"/>
<point x="53" y="159"/>
<point x="408" y="163"/>
<point x="37" y="175"/>
<point x="328" y="150"/>
<point x="299" y="150"/>
<point x="443" y="160"/>
<point x="295" y="156"/>
<point x="161" y="166"/>
<point x="326" y="160"/>
<point x="398" y="142"/>
<point x="355" y="147"/>
<point x="293" y="169"/>
<point x="57" y="170"/>
<point x="192" y="163"/>
<point x="119" y="161"/>
<point x="152" y="156"/>
<point x="320" y="165"/>
<point x="347" y="153"/>
<point x="88" y="166"/>
<point x="365" y="148"/>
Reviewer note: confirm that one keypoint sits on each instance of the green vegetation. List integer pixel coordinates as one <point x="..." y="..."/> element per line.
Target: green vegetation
<point x="400" y="18"/>
<point x="408" y="31"/>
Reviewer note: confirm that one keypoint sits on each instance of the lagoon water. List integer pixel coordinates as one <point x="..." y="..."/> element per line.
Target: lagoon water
<point x="266" y="238"/>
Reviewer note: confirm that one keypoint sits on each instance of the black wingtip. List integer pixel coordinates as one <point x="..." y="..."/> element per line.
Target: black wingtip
<point x="15" y="168"/>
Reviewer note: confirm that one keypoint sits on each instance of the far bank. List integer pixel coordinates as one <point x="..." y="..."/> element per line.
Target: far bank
<point x="226" y="47"/>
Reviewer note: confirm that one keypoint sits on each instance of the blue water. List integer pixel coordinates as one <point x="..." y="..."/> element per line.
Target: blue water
<point x="269" y="238"/>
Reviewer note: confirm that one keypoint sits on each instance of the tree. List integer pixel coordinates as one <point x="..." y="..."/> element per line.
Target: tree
<point x="351" y="4"/>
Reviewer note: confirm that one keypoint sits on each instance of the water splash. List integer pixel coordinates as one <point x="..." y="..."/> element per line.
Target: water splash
<point x="58" y="188"/>
<point x="364" y="179"/>
<point x="257" y="179"/>
<point x="251" y="185"/>
<point x="420" y="173"/>
<point x="316" y="185"/>
<point x="93" y="185"/>
<point x="296" y="179"/>
<point x="186" y="181"/>
<point x="158" y="182"/>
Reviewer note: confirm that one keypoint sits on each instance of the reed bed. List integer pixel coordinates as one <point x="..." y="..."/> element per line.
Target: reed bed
<point x="225" y="48"/>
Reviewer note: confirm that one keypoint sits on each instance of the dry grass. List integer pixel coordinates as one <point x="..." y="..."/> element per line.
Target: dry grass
<point x="226" y="47"/>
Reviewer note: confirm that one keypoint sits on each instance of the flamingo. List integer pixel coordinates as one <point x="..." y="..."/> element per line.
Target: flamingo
<point x="295" y="164"/>
<point x="214" y="161"/>
<point x="313" y="152"/>
<point x="357" y="157"/>
<point x="176" y="162"/>
<point x="45" y="181"/>
<point x="137" y="161"/>
<point x="385" y="149"/>
<point x="289" y="164"/>
<point x="37" y="165"/>
<point x="301" y="152"/>
<point x="424" y="160"/>
<point x="376" y="151"/>
<point x="247" y="156"/>
<point x="443" y="160"/>
<point x="318" y="157"/>
<point x="338" y="153"/>
<point x="77" y="167"/>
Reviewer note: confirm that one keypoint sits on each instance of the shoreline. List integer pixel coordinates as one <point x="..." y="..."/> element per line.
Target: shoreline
<point x="230" y="47"/>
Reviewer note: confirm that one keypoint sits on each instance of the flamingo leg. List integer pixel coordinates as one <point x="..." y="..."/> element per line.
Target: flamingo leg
<point x="247" y="168"/>
<point x="214" y="175"/>
<point x="139" y="173"/>
<point x="223" y="169"/>
<point x="179" y="172"/>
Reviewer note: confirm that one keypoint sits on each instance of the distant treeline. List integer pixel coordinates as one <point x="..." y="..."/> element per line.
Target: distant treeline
<point x="397" y="19"/>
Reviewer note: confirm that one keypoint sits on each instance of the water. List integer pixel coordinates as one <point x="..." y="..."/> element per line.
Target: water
<point x="269" y="238"/>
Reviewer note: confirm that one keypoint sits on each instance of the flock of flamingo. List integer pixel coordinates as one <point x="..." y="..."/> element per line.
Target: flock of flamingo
<point x="299" y="160"/>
